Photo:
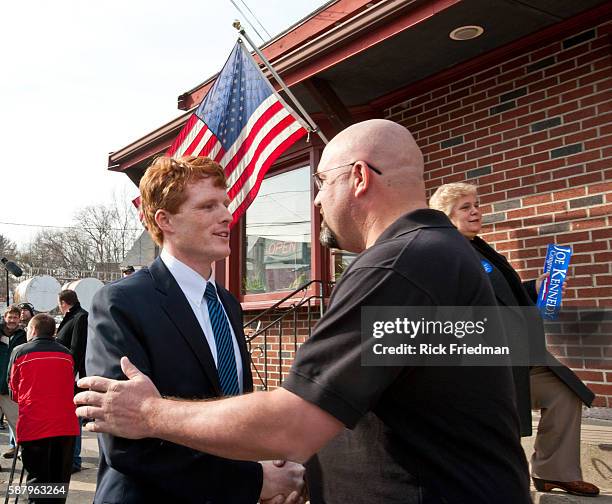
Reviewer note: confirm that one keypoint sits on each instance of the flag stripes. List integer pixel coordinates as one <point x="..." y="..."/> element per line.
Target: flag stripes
<point x="246" y="196"/>
<point x="243" y="124"/>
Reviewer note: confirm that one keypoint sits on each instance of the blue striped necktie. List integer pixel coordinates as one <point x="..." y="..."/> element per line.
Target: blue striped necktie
<point x="226" y="358"/>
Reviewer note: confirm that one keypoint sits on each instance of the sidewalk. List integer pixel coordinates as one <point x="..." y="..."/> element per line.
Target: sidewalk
<point x="596" y="460"/>
<point x="596" y="448"/>
<point x="82" y="484"/>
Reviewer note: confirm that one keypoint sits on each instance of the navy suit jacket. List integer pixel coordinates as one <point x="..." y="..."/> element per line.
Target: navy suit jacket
<point x="147" y="317"/>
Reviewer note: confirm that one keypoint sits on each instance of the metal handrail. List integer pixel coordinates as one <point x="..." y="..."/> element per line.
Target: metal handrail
<point x="290" y="310"/>
<point x="277" y="319"/>
<point x="303" y="288"/>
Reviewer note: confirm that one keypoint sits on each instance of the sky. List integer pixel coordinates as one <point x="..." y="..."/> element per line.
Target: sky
<point x="82" y="79"/>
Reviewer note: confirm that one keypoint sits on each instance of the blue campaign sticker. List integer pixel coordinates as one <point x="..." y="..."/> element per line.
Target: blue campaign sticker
<point x="486" y="265"/>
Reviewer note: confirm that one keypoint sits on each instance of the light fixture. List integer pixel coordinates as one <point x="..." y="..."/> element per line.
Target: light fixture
<point x="467" y="32"/>
<point x="14" y="270"/>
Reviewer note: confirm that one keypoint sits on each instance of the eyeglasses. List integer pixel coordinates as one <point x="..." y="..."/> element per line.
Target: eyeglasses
<point x="319" y="181"/>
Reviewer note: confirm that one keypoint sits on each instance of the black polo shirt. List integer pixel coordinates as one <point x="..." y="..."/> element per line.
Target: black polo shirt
<point x="417" y="434"/>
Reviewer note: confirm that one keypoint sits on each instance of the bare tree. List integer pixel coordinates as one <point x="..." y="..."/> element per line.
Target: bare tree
<point x="98" y="239"/>
<point x="8" y="248"/>
<point x="110" y="229"/>
<point x="55" y="249"/>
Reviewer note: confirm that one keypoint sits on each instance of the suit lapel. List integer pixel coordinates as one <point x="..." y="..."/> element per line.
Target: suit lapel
<point x="235" y="320"/>
<point x="176" y="306"/>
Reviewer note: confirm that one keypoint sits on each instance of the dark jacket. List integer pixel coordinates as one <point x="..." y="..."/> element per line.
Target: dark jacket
<point x="72" y="333"/>
<point x="524" y="294"/>
<point x="17" y="338"/>
<point x="146" y="317"/>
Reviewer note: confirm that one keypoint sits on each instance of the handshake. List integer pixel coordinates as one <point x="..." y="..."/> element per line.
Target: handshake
<point x="120" y="407"/>
<point x="283" y="483"/>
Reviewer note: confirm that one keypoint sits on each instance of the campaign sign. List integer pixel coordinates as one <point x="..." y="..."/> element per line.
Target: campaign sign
<point x="556" y="264"/>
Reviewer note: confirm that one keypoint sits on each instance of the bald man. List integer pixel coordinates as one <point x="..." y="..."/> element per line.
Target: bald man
<point x="370" y="434"/>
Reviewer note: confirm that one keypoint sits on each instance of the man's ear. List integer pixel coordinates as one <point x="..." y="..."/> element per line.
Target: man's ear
<point x="361" y="179"/>
<point x="163" y="219"/>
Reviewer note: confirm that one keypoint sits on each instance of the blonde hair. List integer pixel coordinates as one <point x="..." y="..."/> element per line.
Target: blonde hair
<point x="163" y="186"/>
<point x="446" y="195"/>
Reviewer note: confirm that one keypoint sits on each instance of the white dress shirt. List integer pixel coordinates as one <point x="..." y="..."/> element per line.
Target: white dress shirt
<point x="193" y="286"/>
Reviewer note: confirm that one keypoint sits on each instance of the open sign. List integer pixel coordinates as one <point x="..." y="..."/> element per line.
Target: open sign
<point x="281" y="248"/>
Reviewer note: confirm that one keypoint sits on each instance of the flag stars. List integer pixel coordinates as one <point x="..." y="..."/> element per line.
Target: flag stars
<point x="238" y="92"/>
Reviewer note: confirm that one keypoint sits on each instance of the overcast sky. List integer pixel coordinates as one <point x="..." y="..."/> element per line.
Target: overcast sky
<point x="82" y="79"/>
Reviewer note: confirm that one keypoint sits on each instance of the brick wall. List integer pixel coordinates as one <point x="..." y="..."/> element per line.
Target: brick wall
<point x="535" y="134"/>
<point x="280" y="342"/>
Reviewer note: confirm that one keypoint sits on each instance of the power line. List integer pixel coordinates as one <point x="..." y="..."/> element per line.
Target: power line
<point x="247" y="19"/>
<point x="256" y="18"/>
<point x="46" y="226"/>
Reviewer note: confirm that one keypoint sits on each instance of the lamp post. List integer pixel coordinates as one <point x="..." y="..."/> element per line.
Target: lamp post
<point x="14" y="270"/>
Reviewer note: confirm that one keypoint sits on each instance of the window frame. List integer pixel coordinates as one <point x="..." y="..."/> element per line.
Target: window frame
<point x="307" y="156"/>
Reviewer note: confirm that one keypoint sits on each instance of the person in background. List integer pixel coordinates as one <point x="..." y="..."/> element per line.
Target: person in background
<point x="27" y="312"/>
<point x="11" y="335"/>
<point x="42" y="383"/>
<point x="554" y="389"/>
<point x="127" y="271"/>
<point x="72" y="333"/>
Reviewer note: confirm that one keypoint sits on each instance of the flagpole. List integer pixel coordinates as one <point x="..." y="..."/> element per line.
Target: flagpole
<point x="268" y="65"/>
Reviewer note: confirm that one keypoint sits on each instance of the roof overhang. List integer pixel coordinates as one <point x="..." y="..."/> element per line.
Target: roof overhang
<point x="351" y="59"/>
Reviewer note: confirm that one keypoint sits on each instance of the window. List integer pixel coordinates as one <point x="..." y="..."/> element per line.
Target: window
<point x="341" y="261"/>
<point x="278" y="234"/>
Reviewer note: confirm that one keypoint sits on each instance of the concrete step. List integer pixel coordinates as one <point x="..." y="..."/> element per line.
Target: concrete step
<point x="596" y="460"/>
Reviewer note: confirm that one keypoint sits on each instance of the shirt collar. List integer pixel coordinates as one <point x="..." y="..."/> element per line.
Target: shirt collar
<point x="190" y="281"/>
<point x="43" y="337"/>
<point x="417" y="219"/>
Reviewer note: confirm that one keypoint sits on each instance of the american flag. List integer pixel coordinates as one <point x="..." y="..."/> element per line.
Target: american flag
<point x="243" y="124"/>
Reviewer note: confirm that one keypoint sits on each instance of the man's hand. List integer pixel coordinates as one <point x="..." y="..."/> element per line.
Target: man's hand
<point x="544" y="276"/>
<point x="118" y="407"/>
<point x="256" y="426"/>
<point x="283" y="483"/>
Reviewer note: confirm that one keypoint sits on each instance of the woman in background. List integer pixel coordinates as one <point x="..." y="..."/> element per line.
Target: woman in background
<point x="553" y="389"/>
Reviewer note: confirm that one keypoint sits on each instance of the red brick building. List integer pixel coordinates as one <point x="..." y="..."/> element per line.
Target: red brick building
<point x="523" y="110"/>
